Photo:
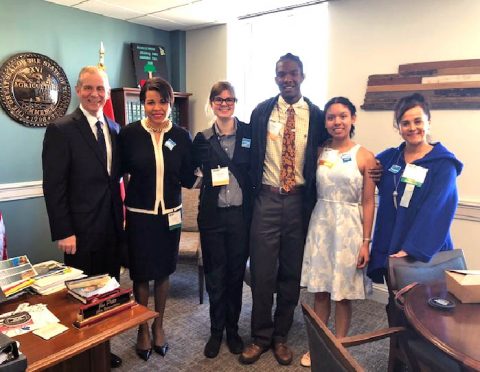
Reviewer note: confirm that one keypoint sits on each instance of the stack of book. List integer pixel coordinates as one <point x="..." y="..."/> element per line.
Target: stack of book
<point x="52" y="275"/>
<point x="16" y="274"/>
<point x="101" y="297"/>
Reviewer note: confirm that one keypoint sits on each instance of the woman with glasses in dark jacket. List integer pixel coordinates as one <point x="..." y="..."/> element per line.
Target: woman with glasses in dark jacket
<point x="222" y="152"/>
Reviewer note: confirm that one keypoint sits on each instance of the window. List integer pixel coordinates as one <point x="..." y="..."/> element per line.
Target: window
<point x="255" y="44"/>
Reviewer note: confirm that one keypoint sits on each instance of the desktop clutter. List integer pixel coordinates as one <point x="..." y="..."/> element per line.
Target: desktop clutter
<point x="98" y="297"/>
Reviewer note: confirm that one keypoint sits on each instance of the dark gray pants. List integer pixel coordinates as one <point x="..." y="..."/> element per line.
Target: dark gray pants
<point x="224" y="253"/>
<point x="276" y="252"/>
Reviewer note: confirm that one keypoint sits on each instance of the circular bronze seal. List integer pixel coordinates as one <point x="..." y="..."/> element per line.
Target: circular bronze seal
<point x="34" y="89"/>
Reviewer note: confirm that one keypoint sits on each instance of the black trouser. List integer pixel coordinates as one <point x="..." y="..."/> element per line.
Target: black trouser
<point x="97" y="253"/>
<point x="276" y="252"/>
<point x="224" y="253"/>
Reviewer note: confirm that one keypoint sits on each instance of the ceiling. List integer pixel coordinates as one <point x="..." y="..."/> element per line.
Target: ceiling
<point x="170" y="15"/>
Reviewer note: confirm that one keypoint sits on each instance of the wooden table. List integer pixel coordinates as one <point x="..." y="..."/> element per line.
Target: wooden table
<point x="456" y="331"/>
<point x="84" y="349"/>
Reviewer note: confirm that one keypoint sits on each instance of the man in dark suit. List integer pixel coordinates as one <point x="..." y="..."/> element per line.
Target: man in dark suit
<point x="81" y="182"/>
<point x="286" y="132"/>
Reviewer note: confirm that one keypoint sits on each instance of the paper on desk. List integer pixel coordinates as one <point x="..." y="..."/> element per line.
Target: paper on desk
<point x="50" y="330"/>
<point x="39" y="316"/>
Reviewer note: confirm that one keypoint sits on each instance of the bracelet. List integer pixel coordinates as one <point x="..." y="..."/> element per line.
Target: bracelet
<point x="367" y="239"/>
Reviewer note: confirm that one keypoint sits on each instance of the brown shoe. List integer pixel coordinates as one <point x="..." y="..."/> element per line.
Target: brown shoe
<point x="251" y="353"/>
<point x="282" y="353"/>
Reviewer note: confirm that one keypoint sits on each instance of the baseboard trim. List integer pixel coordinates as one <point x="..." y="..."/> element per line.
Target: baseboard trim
<point x="20" y="190"/>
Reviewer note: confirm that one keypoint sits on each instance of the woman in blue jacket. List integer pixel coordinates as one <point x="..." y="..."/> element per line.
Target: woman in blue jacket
<point x="417" y="192"/>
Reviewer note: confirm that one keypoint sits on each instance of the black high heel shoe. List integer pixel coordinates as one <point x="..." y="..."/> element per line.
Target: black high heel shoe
<point x="162" y="350"/>
<point x="144" y="354"/>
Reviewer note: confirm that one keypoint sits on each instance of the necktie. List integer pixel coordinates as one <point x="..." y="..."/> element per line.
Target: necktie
<point x="287" y="171"/>
<point x="101" y="141"/>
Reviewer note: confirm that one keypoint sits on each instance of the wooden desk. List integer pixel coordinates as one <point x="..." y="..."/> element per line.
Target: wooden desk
<point x="456" y="331"/>
<point x="85" y="349"/>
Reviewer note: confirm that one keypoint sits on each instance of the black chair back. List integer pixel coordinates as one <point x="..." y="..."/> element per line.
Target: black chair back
<point x="405" y="270"/>
<point x="326" y="352"/>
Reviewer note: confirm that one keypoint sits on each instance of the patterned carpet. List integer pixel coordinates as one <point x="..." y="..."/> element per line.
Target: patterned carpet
<point x="187" y="329"/>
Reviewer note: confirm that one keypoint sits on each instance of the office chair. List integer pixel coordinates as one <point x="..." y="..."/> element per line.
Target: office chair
<point x="328" y="353"/>
<point x="408" y="348"/>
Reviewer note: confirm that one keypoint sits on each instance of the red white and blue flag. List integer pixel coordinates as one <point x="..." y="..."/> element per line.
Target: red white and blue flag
<point x="3" y="240"/>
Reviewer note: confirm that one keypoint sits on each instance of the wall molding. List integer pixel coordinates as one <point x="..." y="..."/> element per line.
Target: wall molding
<point x="20" y="190"/>
<point x="468" y="210"/>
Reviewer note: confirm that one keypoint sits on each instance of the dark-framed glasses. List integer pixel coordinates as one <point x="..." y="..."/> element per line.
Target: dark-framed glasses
<point x="229" y="101"/>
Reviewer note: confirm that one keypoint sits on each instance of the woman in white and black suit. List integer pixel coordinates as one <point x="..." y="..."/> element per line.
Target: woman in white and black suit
<point x="157" y="156"/>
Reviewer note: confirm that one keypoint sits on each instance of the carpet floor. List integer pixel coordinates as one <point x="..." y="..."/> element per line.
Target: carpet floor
<point x="187" y="328"/>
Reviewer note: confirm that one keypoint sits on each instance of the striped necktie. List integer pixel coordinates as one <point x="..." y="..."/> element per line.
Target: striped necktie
<point x="101" y="140"/>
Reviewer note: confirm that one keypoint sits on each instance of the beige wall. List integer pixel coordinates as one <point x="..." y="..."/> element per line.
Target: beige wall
<point x="373" y="37"/>
<point x="206" y="61"/>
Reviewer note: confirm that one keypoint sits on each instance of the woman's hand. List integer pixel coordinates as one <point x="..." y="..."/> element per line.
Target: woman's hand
<point x="363" y="256"/>
<point x="375" y="173"/>
<point x="401" y="253"/>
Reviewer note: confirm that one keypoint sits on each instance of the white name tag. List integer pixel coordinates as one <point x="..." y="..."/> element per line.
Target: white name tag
<point x="274" y="128"/>
<point x="414" y="175"/>
<point x="407" y="195"/>
<point x="220" y="176"/>
<point x="174" y="220"/>
<point x="328" y="157"/>
<point x="170" y="144"/>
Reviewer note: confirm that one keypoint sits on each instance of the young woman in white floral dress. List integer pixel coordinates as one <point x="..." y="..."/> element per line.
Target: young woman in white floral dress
<point x="337" y="245"/>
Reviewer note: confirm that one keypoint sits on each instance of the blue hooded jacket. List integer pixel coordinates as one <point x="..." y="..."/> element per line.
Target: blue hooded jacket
<point x="423" y="228"/>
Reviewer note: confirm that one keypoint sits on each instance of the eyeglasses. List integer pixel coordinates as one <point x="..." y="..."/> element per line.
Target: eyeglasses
<point x="229" y="101"/>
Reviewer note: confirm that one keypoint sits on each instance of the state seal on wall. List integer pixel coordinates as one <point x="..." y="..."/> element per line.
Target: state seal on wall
<point x="34" y="89"/>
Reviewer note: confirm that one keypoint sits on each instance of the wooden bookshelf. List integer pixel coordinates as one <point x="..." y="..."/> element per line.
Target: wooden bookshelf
<point x="127" y="107"/>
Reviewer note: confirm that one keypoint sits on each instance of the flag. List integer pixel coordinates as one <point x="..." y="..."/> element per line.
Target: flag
<point x="108" y="111"/>
<point x="3" y="240"/>
<point x="108" y="108"/>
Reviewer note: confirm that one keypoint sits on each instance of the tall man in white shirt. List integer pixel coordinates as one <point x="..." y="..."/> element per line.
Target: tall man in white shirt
<point x="286" y="132"/>
<point x="81" y="173"/>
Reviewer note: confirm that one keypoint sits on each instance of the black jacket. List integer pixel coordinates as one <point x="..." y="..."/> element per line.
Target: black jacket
<point x="138" y="160"/>
<point x="208" y="155"/>
<point x="317" y="134"/>
<point x="79" y="193"/>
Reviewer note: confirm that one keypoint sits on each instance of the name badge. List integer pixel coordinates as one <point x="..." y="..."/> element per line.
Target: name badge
<point x="328" y="157"/>
<point x="407" y="195"/>
<point x="346" y="158"/>
<point x="220" y="176"/>
<point x="395" y="168"/>
<point x="246" y="142"/>
<point x="274" y="128"/>
<point x="170" y="144"/>
<point x="174" y="220"/>
<point x="414" y="175"/>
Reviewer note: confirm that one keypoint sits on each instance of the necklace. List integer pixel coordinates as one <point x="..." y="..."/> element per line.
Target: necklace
<point x="396" y="169"/>
<point x="153" y="129"/>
